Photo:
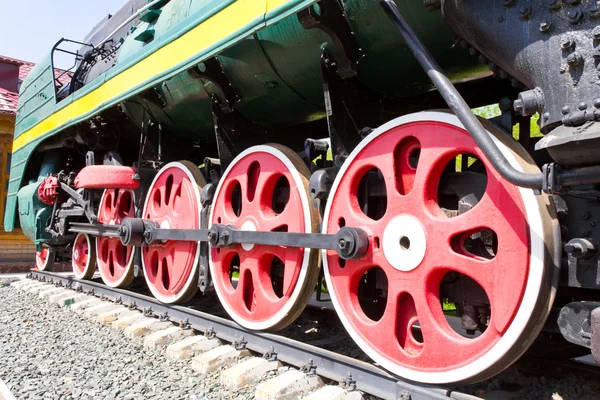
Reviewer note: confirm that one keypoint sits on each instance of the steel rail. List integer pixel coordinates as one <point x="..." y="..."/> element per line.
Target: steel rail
<point x="368" y="378"/>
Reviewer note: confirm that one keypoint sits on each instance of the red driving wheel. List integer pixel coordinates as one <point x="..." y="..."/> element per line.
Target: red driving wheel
<point x="415" y="243"/>
<point x="173" y="202"/>
<point x="44" y="259"/>
<point x="115" y="261"/>
<point x="265" y="189"/>
<point x="83" y="256"/>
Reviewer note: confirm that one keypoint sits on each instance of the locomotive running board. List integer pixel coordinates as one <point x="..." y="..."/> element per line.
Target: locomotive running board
<point x="361" y="375"/>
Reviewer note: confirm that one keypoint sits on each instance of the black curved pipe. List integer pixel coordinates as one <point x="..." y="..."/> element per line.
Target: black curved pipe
<point x="458" y="105"/>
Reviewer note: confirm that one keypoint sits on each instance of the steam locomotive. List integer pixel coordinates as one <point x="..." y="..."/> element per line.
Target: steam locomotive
<point x="270" y="149"/>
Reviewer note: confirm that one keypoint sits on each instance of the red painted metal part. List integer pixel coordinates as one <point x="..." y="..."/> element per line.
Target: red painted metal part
<point x="114" y="260"/>
<point x="254" y="298"/>
<point x="172" y="202"/>
<point x="414" y="295"/>
<point x="80" y="255"/>
<point x="106" y="177"/>
<point x="48" y="190"/>
<point x="41" y="258"/>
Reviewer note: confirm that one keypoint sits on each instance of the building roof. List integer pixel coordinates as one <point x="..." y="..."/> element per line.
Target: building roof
<point x="9" y="100"/>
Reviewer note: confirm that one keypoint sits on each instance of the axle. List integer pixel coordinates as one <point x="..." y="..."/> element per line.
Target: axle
<point x="349" y="243"/>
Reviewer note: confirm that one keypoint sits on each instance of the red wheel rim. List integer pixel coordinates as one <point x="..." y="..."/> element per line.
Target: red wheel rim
<point x="413" y="283"/>
<point x="41" y="258"/>
<point x="254" y="302"/>
<point x="115" y="261"/>
<point x="80" y="255"/>
<point x="173" y="201"/>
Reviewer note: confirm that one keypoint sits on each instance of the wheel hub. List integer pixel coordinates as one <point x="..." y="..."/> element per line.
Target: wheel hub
<point x="251" y="227"/>
<point x="404" y="243"/>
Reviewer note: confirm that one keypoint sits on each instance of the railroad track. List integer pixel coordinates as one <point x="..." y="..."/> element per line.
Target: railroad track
<point x="352" y="375"/>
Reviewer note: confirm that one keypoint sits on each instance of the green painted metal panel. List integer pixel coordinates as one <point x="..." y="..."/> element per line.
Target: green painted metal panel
<point x="272" y="62"/>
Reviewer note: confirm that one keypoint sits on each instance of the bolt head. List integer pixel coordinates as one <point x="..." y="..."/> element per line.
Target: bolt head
<point x="525" y="12"/>
<point x="597" y="103"/>
<point x="518" y="105"/>
<point x="574" y="17"/>
<point x="566" y="110"/>
<point x="342" y="243"/>
<point x="567" y="43"/>
<point x="582" y="106"/>
<point x="554" y="4"/>
<point x="574" y="59"/>
<point x="545" y="26"/>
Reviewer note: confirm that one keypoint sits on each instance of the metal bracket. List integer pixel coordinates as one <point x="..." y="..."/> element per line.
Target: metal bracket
<point x="350" y="108"/>
<point x="576" y="323"/>
<point x="233" y="133"/>
<point x="206" y="197"/>
<point x="85" y="201"/>
<point x="164" y="317"/>
<point x="348" y="383"/>
<point x="550" y="181"/>
<point x="148" y="312"/>
<point x="315" y="149"/>
<point x="212" y="70"/>
<point x="595" y="342"/>
<point x="210" y="333"/>
<point x="270" y="355"/>
<point x="185" y="324"/>
<point x="329" y="16"/>
<point x="309" y="368"/>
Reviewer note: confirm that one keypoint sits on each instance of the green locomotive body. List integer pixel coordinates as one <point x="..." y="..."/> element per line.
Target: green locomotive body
<point x="269" y="58"/>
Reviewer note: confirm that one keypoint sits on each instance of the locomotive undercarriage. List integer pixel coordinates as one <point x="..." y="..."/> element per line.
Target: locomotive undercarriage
<point x="403" y="230"/>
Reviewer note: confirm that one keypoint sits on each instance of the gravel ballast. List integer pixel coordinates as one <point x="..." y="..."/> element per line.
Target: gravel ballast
<point x="51" y="353"/>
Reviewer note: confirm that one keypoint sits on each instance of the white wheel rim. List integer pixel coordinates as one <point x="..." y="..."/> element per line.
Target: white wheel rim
<point x="191" y="281"/>
<point x="535" y="279"/>
<point x="263" y="325"/>
<point x="90" y="260"/>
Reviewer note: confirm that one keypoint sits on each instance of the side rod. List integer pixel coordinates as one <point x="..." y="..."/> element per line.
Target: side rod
<point x="348" y="242"/>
